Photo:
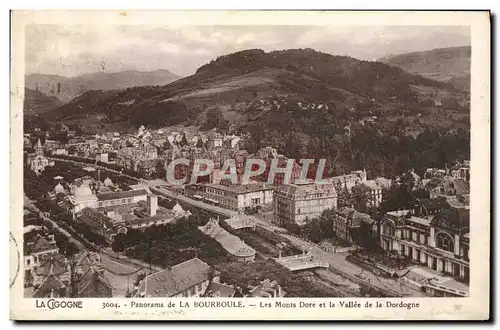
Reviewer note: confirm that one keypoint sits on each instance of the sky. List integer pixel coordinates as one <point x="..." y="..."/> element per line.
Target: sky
<point x="79" y="49"/>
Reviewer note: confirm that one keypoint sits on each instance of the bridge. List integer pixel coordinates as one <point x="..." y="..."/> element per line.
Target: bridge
<point x="301" y="262"/>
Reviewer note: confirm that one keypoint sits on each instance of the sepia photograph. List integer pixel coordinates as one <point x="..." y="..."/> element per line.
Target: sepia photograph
<point x="248" y="160"/>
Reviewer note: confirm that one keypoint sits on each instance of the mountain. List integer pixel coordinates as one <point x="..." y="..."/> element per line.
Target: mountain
<point x="36" y="102"/>
<point x="239" y="84"/>
<point x="444" y="64"/>
<point x="70" y="87"/>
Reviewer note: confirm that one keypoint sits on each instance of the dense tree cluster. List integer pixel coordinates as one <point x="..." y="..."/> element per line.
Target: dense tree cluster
<point x="382" y="148"/>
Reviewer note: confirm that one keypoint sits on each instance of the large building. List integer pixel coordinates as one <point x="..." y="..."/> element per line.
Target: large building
<point x="83" y="196"/>
<point x="239" y="197"/>
<point x="301" y="202"/>
<point x="187" y="279"/>
<point x="37" y="161"/>
<point x="439" y="241"/>
<point x="141" y="159"/>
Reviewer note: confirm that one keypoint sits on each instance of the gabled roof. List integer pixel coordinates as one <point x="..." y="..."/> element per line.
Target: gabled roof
<point x="40" y="244"/>
<point x="92" y="278"/>
<point x="172" y="281"/>
<point x="52" y="264"/>
<point x="221" y="290"/>
<point x="49" y="288"/>
<point x="433" y="183"/>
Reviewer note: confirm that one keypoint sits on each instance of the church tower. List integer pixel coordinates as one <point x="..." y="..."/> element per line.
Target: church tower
<point x="39" y="148"/>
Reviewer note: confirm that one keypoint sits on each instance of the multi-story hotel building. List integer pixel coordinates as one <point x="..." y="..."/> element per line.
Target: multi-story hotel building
<point x="438" y="241"/>
<point x="238" y="197"/>
<point x="303" y="201"/>
<point x="142" y="159"/>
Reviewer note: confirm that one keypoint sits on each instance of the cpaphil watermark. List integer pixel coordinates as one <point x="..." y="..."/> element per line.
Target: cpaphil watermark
<point x="254" y="167"/>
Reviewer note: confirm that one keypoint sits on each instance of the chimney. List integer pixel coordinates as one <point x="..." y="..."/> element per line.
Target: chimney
<point x="152" y="201"/>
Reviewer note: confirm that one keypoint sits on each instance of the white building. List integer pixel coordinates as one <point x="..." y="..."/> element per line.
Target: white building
<point x="238" y="197"/>
<point x="301" y="202"/>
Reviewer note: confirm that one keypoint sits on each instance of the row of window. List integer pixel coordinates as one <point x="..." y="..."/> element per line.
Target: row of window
<point x="116" y="202"/>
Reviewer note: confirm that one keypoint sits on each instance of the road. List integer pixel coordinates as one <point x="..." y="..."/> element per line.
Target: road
<point x="29" y="204"/>
<point x="338" y="262"/>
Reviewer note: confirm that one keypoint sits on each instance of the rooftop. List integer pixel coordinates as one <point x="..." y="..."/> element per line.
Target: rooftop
<point x="121" y="194"/>
<point x="232" y="244"/>
<point x="323" y="189"/>
<point x="39" y="244"/>
<point x="241" y="189"/>
<point x="172" y="281"/>
<point x="221" y="290"/>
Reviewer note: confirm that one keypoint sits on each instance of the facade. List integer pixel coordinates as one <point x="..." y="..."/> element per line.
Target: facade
<point x="301" y="202"/>
<point x="439" y="241"/>
<point x="347" y="223"/>
<point x="121" y="198"/>
<point x="36" y="250"/>
<point x="239" y="197"/>
<point x="187" y="279"/>
<point x="374" y="193"/>
<point x="349" y="180"/>
<point x="141" y="159"/>
<point x="37" y="162"/>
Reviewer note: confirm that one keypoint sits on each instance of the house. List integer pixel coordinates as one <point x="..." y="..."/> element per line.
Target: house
<point x="35" y="250"/>
<point x="374" y="193"/>
<point x="89" y="280"/>
<point x="266" y="289"/>
<point x="447" y="186"/>
<point x="221" y="290"/>
<point x="188" y="279"/>
<point x="347" y="223"/>
<point x="52" y="277"/>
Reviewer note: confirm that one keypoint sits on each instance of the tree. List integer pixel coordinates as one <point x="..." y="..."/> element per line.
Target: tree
<point x="360" y="197"/>
<point x="70" y="249"/>
<point x="184" y="141"/>
<point x="214" y="119"/>
<point x="119" y="243"/>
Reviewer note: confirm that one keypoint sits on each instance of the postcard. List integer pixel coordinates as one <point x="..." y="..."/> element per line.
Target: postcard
<point x="250" y="165"/>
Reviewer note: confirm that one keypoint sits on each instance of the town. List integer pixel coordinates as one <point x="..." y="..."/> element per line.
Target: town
<point x="101" y="219"/>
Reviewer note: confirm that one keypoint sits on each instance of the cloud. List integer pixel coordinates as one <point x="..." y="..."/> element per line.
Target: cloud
<point x="76" y="49"/>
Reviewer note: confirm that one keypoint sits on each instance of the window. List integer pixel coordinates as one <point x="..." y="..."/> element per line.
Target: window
<point x="444" y="242"/>
<point x="388" y="228"/>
